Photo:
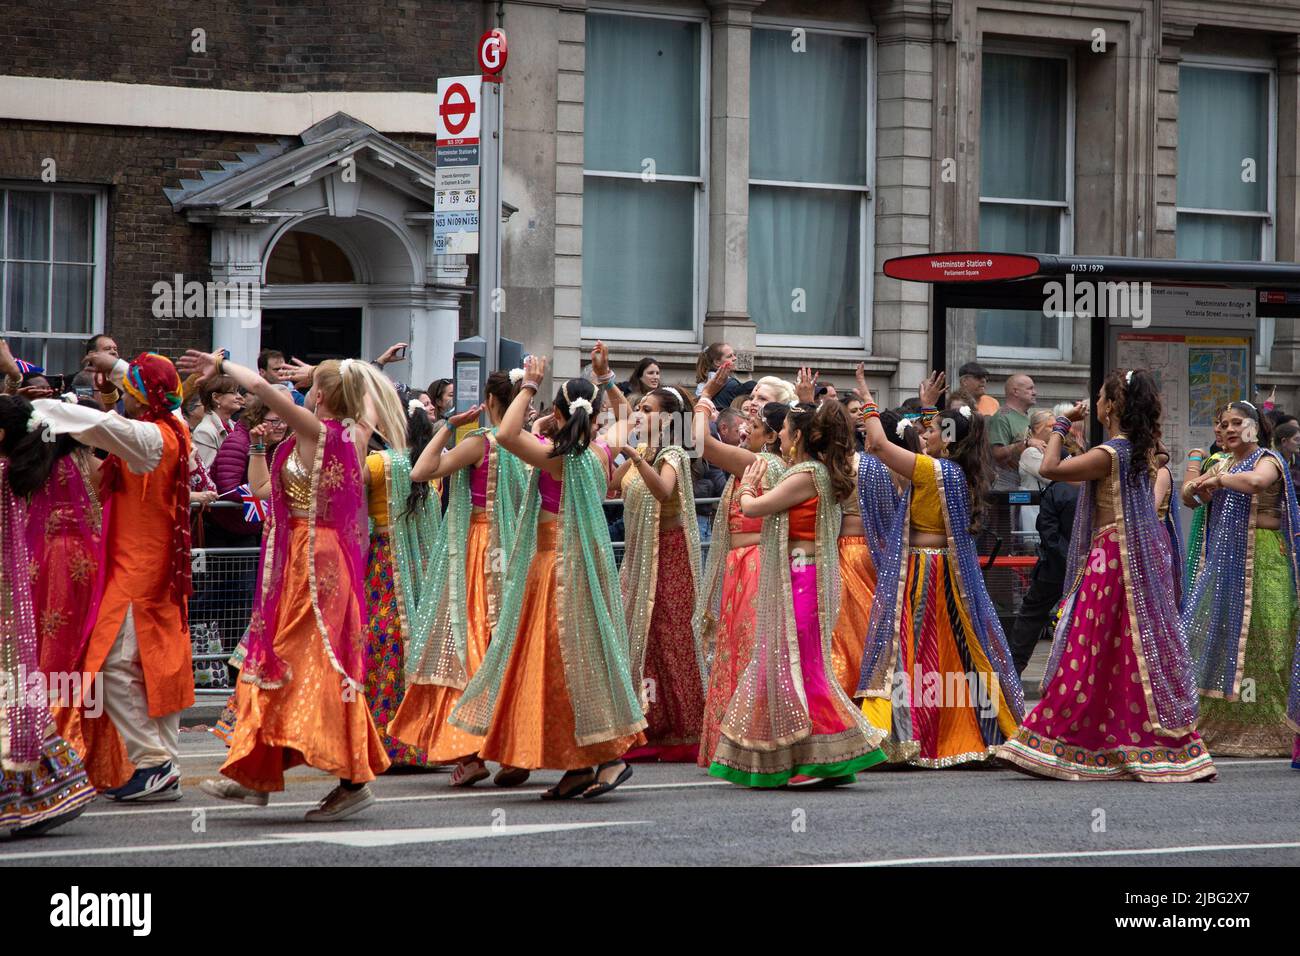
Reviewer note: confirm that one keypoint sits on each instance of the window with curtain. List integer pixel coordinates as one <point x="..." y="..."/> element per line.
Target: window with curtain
<point x="808" y="189"/>
<point x="1025" y="189"/>
<point x="47" y="275"/>
<point x="643" y="179"/>
<point x="1225" y="196"/>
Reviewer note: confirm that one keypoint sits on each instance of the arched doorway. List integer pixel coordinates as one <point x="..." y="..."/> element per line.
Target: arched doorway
<point x="302" y="258"/>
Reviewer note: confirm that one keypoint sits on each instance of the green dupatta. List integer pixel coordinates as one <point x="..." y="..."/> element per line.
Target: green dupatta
<point x="639" y="574"/>
<point x="708" y="587"/>
<point x="438" y="645"/>
<point x="411" y="536"/>
<point x="592" y="627"/>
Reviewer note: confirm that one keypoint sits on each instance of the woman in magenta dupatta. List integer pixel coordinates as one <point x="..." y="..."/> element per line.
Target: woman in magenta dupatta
<point x="42" y="780"/>
<point x="300" y="698"/>
<point x="1119" y="694"/>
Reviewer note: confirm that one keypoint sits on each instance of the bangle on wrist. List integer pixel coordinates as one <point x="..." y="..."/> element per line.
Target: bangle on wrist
<point x="527" y="384"/>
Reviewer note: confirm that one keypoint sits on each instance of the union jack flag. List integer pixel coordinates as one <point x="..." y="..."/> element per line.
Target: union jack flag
<point x="27" y="368"/>
<point x="254" y="507"/>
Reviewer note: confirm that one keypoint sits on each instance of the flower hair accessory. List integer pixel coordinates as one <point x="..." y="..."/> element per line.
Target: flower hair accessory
<point x="1128" y="378"/>
<point x="345" y="365"/>
<point x="516" y="376"/>
<point x="35" y="422"/>
<point x="414" y="406"/>
<point x="578" y="403"/>
<point x="901" y="428"/>
<point x="965" y="412"/>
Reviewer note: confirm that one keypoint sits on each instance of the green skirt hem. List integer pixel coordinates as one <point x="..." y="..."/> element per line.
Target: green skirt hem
<point x="767" y="781"/>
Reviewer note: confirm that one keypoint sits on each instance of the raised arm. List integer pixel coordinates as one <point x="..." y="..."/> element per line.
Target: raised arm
<point x="1089" y="466"/>
<point x="898" y="460"/>
<point x="511" y="434"/>
<point x="732" y="459"/>
<point x="433" y="464"/>
<point x="303" y="423"/>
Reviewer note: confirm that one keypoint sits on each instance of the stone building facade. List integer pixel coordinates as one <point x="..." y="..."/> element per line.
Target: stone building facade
<point x="678" y="172"/>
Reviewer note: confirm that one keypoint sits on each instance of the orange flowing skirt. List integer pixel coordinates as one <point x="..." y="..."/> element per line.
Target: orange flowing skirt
<point x="421" y="721"/>
<point x="533" y="725"/>
<point x="858" y="590"/>
<point x="310" y="720"/>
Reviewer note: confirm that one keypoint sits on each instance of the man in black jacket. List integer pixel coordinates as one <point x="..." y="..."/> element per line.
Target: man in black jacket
<point x="1055" y="523"/>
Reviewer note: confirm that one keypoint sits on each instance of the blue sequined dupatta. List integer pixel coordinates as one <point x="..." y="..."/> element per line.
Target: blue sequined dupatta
<point x="1217" y="613"/>
<point x="880" y="502"/>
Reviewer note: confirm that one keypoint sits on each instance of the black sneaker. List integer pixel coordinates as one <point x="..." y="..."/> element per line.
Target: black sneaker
<point x="149" y="785"/>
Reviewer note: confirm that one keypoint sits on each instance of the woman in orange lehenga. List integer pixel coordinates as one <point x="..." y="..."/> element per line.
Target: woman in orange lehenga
<point x="464" y="572"/>
<point x="555" y="690"/>
<point x="300" y="697"/>
<point x="727" y="600"/>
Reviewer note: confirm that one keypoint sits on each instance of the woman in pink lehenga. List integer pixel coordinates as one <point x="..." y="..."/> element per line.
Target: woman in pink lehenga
<point x="43" y="783"/>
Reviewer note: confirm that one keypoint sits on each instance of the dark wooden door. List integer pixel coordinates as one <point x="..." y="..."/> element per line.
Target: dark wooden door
<point x="313" y="335"/>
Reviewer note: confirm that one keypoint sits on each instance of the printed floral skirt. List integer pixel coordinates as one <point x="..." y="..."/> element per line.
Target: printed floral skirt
<point x="56" y="785"/>
<point x="385" y="674"/>
<point x="674" y="688"/>
<point x="421" y="720"/>
<point x="1092" y="722"/>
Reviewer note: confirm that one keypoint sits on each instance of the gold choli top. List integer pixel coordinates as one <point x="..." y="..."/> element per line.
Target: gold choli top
<point x="1162" y="509"/>
<point x="377" y="490"/>
<point x="297" y="483"/>
<point x="1268" y="503"/>
<point x="667" y="509"/>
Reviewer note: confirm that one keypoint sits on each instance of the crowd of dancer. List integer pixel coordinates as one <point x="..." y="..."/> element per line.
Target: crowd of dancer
<point x="432" y="596"/>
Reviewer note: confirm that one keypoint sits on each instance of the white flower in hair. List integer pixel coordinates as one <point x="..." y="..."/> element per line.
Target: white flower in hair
<point x="795" y="403"/>
<point x="901" y="428"/>
<point x="578" y="403"/>
<point x="345" y="365"/>
<point x="414" y="406"/>
<point x="35" y="422"/>
<point x="1128" y="379"/>
<point x="516" y="376"/>
<point x="965" y="411"/>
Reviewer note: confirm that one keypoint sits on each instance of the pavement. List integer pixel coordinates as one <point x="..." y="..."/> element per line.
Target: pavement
<point x="675" y="814"/>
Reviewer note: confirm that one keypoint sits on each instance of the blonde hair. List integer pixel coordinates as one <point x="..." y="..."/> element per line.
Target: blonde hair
<point x="785" y="393"/>
<point x="390" y="419"/>
<point x="343" y="395"/>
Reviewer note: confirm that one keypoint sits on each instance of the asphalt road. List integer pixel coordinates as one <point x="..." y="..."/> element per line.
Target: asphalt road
<point x="677" y="815"/>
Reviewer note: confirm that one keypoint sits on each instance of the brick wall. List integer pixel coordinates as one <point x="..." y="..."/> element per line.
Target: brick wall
<point x="147" y="241"/>
<point x="285" y="46"/>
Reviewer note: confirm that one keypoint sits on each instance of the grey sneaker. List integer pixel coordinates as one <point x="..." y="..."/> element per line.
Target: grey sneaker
<point x="340" y="803"/>
<point x="224" y="788"/>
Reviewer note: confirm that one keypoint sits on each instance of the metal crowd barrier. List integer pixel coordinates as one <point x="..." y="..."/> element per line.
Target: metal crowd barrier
<point x="225" y="579"/>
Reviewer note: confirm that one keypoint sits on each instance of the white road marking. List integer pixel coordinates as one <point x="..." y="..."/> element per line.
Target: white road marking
<point x="497" y="792"/>
<point x="1073" y="855"/>
<point x="353" y="838"/>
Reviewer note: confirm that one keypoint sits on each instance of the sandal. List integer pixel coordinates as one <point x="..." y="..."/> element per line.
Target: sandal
<point x="597" y="789"/>
<point x="510" y="776"/>
<point x="469" y="773"/>
<point x="560" y="792"/>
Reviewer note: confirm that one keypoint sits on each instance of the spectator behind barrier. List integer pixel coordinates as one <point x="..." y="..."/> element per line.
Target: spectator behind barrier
<point x="1009" y="431"/>
<point x="972" y="379"/>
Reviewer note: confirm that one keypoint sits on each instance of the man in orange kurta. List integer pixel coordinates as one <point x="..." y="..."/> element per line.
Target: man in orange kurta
<point x="139" y="643"/>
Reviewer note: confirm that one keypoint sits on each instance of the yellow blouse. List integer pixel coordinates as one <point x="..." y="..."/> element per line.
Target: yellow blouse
<point x="927" y="514"/>
<point x="667" y="509"/>
<point x="377" y="491"/>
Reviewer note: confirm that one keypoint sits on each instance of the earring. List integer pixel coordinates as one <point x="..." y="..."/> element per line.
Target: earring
<point x="788" y="455"/>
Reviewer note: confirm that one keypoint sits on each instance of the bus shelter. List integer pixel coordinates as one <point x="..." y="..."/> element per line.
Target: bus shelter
<point x="1194" y="324"/>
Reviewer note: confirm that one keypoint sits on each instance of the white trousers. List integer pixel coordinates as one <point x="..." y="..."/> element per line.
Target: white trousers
<point x="150" y="741"/>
